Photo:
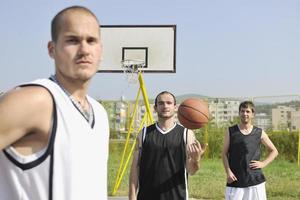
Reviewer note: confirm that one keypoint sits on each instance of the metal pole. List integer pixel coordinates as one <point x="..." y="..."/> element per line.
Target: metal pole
<point x="146" y="101"/>
<point x="299" y="148"/>
<point x="126" y="145"/>
<point x="148" y="115"/>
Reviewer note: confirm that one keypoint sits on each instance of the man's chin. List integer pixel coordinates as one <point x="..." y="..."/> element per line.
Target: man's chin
<point x="86" y="76"/>
<point x="245" y="121"/>
<point x="166" y="116"/>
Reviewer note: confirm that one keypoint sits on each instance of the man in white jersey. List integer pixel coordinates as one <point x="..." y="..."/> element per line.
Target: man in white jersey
<point x="165" y="154"/>
<point x="241" y="157"/>
<point x="53" y="136"/>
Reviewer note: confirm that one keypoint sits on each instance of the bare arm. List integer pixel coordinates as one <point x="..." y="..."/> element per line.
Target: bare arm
<point x="255" y="164"/>
<point x="134" y="171"/>
<point x="194" y="153"/>
<point x="23" y="113"/>
<point x="230" y="176"/>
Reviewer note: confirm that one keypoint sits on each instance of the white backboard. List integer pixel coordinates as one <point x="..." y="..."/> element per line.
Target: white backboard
<point x="154" y="44"/>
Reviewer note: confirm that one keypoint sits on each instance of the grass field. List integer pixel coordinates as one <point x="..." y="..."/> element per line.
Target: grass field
<point x="283" y="178"/>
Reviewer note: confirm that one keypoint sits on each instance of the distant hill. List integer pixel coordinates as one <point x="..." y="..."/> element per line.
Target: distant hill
<point x="267" y="108"/>
<point x="261" y="107"/>
<point x="181" y="98"/>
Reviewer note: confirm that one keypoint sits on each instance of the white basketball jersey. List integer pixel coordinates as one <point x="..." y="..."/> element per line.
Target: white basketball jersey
<point x="74" y="164"/>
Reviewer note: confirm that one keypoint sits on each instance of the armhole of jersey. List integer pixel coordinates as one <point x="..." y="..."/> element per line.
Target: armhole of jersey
<point x="143" y="135"/>
<point x="141" y="141"/>
<point x="185" y="135"/>
<point x="232" y="128"/>
<point x="260" y="130"/>
<point x="50" y="146"/>
<point x="186" y="174"/>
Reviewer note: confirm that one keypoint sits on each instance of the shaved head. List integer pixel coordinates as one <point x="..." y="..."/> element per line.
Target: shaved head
<point x="56" y="22"/>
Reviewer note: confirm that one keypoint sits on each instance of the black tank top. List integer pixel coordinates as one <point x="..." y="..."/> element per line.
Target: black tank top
<point x="243" y="149"/>
<point x="162" y="167"/>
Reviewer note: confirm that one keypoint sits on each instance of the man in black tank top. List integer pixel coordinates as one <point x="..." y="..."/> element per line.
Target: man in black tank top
<point x="165" y="153"/>
<point x="241" y="157"/>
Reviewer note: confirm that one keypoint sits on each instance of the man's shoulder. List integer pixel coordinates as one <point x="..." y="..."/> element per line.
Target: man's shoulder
<point x="151" y="127"/>
<point x="233" y="128"/>
<point x="28" y="93"/>
<point x="258" y="130"/>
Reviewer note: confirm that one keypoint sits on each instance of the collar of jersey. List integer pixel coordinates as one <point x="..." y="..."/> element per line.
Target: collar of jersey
<point x="167" y="131"/>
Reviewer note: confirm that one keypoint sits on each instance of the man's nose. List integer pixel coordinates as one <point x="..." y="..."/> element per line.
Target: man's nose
<point x="83" y="48"/>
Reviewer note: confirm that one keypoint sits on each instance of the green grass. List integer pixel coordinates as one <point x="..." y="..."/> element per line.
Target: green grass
<point x="283" y="178"/>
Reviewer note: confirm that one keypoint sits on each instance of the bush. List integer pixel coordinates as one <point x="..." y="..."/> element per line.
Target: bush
<point x="214" y="137"/>
<point x="285" y="142"/>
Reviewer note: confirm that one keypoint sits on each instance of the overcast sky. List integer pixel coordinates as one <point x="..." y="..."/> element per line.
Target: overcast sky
<point x="224" y="48"/>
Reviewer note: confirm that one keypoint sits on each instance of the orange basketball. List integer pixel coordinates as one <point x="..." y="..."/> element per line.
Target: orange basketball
<point x="193" y="113"/>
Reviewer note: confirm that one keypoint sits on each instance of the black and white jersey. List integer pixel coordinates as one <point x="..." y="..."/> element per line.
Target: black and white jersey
<point x="73" y="166"/>
<point x="163" y="174"/>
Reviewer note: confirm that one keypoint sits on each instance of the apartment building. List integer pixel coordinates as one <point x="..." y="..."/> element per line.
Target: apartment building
<point x="223" y="111"/>
<point x="286" y="118"/>
<point x="264" y="121"/>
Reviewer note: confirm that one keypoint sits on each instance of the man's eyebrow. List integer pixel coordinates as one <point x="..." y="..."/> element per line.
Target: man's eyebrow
<point x="70" y="36"/>
<point x="168" y="101"/>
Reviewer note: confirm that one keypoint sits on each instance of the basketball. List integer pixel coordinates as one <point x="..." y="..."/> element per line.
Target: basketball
<point x="193" y="113"/>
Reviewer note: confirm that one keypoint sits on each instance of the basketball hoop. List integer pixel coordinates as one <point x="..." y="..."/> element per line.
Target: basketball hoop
<point x="131" y="68"/>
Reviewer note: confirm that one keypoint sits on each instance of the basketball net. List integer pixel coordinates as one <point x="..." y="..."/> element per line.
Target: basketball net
<point x="131" y="69"/>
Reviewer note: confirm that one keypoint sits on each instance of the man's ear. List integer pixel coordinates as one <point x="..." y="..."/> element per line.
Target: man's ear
<point x="155" y="108"/>
<point x="51" y="50"/>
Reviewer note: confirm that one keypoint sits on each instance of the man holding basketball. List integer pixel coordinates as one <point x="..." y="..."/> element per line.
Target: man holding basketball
<point x="241" y="157"/>
<point x="53" y="136"/>
<point x="165" y="153"/>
